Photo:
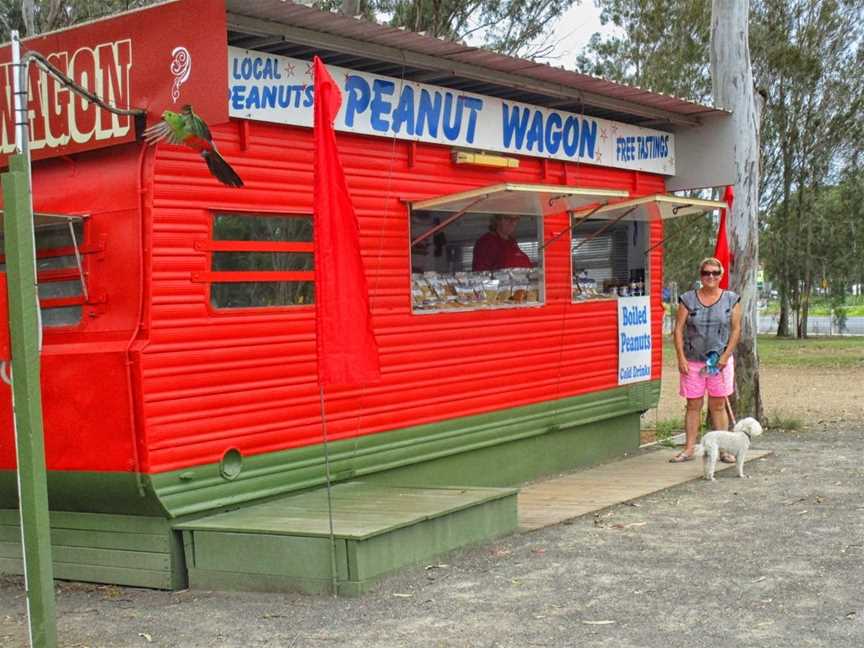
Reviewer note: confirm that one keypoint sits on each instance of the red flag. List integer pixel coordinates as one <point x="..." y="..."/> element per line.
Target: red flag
<point x="347" y="351"/>
<point x="721" y="249"/>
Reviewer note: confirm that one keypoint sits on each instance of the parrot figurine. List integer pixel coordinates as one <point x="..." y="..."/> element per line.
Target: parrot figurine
<point x="711" y="368"/>
<point x="187" y="128"/>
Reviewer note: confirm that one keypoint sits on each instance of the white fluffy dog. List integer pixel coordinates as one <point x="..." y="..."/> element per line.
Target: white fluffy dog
<point x="735" y="442"/>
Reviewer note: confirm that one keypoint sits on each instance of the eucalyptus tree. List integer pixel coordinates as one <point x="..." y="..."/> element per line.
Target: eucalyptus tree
<point x="809" y="59"/>
<point x="515" y="27"/>
<point x="661" y="45"/>
<point x="732" y="82"/>
<point x="31" y="17"/>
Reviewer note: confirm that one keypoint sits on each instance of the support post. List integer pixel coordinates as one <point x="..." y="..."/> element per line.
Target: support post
<point x="24" y="332"/>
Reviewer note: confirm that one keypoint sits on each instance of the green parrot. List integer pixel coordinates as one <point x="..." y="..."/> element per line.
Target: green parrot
<point x="189" y="129"/>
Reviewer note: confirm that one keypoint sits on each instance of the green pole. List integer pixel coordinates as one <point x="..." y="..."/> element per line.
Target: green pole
<point x="24" y="330"/>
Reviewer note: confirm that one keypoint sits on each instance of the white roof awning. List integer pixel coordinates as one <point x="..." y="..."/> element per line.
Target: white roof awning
<point x="654" y="207"/>
<point x="519" y="199"/>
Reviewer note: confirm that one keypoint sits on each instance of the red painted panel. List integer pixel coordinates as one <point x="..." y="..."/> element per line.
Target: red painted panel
<point x="218" y="379"/>
<point x="85" y="406"/>
<point x="206" y="380"/>
<point x="148" y="59"/>
<point x="86" y="395"/>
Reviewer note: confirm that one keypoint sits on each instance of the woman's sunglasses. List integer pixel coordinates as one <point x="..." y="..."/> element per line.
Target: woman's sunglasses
<point x="712" y="273"/>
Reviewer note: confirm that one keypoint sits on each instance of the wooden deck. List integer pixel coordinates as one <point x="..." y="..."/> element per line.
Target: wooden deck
<point x="554" y="500"/>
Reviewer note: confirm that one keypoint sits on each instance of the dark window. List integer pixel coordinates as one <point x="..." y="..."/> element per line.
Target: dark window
<point x="60" y="290"/>
<point x="260" y="261"/>
<point x="609" y="259"/>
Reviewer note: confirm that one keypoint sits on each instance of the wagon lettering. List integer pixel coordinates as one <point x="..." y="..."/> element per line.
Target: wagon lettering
<point x="536" y="131"/>
<point x="55" y="116"/>
<point x="256" y="67"/>
<point x="410" y="111"/>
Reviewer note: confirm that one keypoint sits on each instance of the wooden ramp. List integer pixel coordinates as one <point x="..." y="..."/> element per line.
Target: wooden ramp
<point x="285" y="544"/>
<point x="554" y="500"/>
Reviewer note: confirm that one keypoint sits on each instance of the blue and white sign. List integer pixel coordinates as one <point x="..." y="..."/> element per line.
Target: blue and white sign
<point x="634" y="339"/>
<point x="271" y="88"/>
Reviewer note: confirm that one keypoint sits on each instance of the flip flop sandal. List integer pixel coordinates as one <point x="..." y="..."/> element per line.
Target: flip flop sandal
<point x="681" y="458"/>
<point x="725" y="457"/>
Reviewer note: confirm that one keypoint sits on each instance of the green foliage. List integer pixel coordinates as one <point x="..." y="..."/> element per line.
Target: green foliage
<point x="663" y="46"/>
<point x="688" y="241"/>
<point x="49" y="15"/>
<point x="667" y="429"/>
<point x="517" y="27"/>
<point x="807" y="58"/>
<point x="808" y="61"/>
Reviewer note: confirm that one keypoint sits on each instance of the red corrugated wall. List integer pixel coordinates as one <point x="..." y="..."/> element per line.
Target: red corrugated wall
<point x="217" y="380"/>
<point x="86" y="399"/>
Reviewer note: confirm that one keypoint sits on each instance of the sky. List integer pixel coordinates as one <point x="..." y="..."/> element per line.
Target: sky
<point x="573" y="32"/>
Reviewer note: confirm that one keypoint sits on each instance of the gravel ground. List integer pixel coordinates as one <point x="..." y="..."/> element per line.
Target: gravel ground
<point x="775" y="560"/>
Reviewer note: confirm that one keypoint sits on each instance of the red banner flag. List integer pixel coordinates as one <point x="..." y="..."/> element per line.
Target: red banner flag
<point x="721" y="249"/>
<point x="347" y="351"/>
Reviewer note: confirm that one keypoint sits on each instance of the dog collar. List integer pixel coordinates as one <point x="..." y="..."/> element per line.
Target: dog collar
<point x="748" y="435"/>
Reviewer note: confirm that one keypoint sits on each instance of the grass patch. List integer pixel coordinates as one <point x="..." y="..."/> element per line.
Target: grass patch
<point x="812" y="353"/>
<point x="854" y="306"/>
<point x="780" y="422"/>
<point x="666" y="429"/>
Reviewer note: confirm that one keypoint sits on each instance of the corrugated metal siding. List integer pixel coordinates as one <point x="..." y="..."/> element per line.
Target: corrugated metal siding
<point x="297" y="15"/>
<point x="213" y="381"/>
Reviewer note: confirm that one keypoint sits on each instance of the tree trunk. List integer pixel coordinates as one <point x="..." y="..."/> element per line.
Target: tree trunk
<point x="350" y="7"/>
<point x="783" y="318"/>
<point x="732" y="81"/>
<point x="28" y="10"/>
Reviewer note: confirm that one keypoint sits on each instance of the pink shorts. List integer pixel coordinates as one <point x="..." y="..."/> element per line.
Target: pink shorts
<point x="694" y="384"/>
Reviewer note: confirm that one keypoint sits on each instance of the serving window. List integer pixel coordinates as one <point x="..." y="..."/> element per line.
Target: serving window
<point x="479" y="260"/>
<point x="483" y="248"/>
<point x="609" y="249"/>
<point x="261" y="261"/>
<point x="609" y="259"/>
<point x="60" y="275"/>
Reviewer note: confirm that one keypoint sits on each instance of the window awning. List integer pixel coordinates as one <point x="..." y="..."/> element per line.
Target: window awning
<point x="654" y="207"/>
<point x="519" y="199"/>
<point x="42" y="220"/>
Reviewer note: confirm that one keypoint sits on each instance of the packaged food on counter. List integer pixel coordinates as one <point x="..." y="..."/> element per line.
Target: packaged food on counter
<point x="466" y="290"/>
<point x="490" y="290"/>
<point x="584" y="287"/>
<point x="505" y="285"/>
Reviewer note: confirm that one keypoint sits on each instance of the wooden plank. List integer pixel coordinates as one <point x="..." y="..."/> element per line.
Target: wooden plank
<point x="11" y="566"/>
<point x="266" y="554"/>
<point x="360" y="510"/>
<point x="97" y="557"/>
<point x="97" y="539"/>
<point x="96" y="574"/>
<point x="94" y="521"/>
<point x="113" y="575"/>
<point x="216" y="579"/>
<point x="108" y="522"/>
<point x="562" y="498"/>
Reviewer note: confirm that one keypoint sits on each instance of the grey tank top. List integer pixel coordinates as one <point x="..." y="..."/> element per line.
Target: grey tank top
<point x="707" y="328"/>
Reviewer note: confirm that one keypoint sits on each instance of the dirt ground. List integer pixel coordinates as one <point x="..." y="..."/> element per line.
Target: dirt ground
<point x="811" y="396"/>
<point x="774" y="561"/>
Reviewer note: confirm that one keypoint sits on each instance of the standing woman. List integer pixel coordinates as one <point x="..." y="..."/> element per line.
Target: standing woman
<point x="708" y="319"/>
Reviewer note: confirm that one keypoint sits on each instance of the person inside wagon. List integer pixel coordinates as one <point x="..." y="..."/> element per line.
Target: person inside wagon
<point x="497" y="249"/>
